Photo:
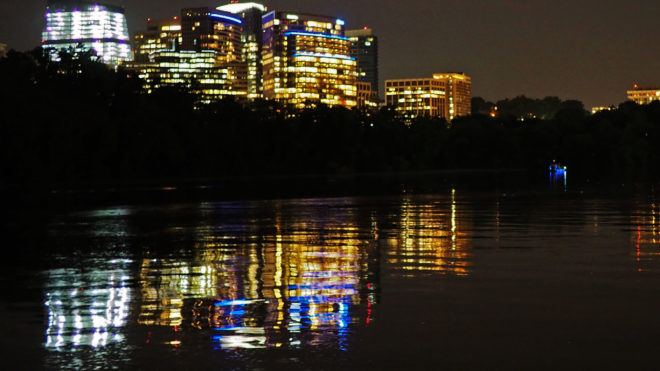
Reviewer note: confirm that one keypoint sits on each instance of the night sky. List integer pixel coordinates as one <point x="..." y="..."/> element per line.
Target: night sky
<point x="579" y="49"/>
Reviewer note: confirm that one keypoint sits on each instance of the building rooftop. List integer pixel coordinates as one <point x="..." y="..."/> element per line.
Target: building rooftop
<point x="637" y="87"/>
<point x="76" y="5"/>
<point x="361" y="32"/>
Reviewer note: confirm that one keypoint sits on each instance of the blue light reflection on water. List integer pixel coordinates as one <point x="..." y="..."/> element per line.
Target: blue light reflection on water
<point x="305" y="275"/>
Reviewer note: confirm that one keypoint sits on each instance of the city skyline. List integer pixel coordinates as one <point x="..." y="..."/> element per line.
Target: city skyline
<point x="587" y="52"/>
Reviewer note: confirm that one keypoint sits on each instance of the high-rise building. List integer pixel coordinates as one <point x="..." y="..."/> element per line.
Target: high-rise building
<point x="211" y="29"/>
<point x="644" y="95"/>
<point x="458" y="92"/>
<point x="163" y="34"/>
<point x="307" y="58"/>
<point x="252" y="37"/>
<point x="81" y="25"/>
<point x="203" y="73"/>
<point x="3" y="50"/>
<point x="417" y="97"/>
<point x="364" y="48"/>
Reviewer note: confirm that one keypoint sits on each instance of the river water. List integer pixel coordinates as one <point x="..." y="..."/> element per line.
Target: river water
<point x="455" y="279"/>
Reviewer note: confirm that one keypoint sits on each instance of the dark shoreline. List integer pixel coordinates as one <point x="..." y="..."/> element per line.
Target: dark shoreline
<point x="249" y="187"/>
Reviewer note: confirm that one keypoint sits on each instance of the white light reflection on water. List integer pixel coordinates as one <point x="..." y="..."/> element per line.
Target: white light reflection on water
<point x="87" y="308"/>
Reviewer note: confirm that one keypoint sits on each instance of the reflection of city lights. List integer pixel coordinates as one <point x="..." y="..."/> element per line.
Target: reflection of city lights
<point x="299" y="287"/>
<point x="430" y="239"/>
<point x="645" y="236"/>
<point x="80" y="317"/>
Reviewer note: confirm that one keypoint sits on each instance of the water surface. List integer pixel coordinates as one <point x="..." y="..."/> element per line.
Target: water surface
<point x="457" y="279"/>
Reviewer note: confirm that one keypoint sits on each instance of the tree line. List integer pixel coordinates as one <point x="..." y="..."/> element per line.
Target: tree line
<point x="78" y="122"/>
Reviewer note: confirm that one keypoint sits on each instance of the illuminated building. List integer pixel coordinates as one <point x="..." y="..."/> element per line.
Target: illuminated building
<point x="3" y="50"/>
<point x="642" y="95"/>
<point x="203" y="73"/>
<point x="366" y="98"/>
<point x="307" y="58"/>
<point x="210" y="29"/>
<point x="164" y="34"/>
<point x="80" y="25"/>
<point x="458" y="93"/>
<point x="364" y="48"/>
<point x="252" y="37"/>
<point x="417" y="97"/>
<point x="201" y="51"/>
<point x="595" y="110"/>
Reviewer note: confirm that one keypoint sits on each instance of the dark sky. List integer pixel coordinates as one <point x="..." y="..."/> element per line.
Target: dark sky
<point x="575" y="49"/>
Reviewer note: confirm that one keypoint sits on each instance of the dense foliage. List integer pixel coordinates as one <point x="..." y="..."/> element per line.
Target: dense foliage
<point x="78" y="122"/>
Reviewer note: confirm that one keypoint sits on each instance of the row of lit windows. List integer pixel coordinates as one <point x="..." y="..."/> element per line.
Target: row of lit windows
<point x="406" y="83"/>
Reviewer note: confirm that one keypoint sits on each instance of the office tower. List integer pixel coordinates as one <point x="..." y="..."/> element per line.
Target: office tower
<point x="81" y="25"/>
<point x="252" y="37"/>
<point x="644" y="95"/>
<point x="364" y="48"/>
<point x="306" y="58"/>
<point x="458" y="92"/>
<point x="163" y="34"/>
<point x="210" y="29"/>
<point x="417" y="97"/>
<point x="203" y="73"/>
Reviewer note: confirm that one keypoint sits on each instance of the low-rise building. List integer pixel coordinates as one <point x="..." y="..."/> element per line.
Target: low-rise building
<point x="595" y="110"/>
<point x="417" y="97"/>
<point x="644" y="95"/>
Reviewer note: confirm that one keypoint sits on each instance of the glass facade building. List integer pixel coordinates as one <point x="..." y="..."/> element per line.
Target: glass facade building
<point x="164" y="34"/>
<point x="202" y="51"/>
<point x="210" y="29"/>
<point x="202" y="73"/>
<point x="306" y="58"/>
<point x="80" y="25"/>
<point x="364" y="48"/>
<point x="251" y="38"/>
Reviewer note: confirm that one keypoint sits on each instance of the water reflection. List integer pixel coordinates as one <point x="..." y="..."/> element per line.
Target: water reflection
<point x="646" y="233"/>
<point x="87" y="307"/>
<point x="431" y="238"/>
<point x="302" y="283"/>
<point x="265" y="274"/>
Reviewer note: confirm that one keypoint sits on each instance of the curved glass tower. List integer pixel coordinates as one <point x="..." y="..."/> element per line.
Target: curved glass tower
<point x="83" y="25"/>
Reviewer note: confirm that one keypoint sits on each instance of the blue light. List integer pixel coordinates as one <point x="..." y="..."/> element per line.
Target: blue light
<point x="321" y="55"/>
<point x="226" y="17"/>
<point x="316" y="34"/>
<point x="227" y="303"/>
